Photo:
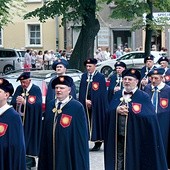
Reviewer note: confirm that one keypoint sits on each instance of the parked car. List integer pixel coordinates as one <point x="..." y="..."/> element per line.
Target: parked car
<point x="133" y="59"/>
<point x="21" y="54"/>
<point x="42" y="78"/>
<point x="9" y="60"/>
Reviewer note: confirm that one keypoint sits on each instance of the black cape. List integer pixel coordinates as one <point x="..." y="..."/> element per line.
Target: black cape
<point x="163" y="114"/>
<point x="144" y="147"/>
<point x="71" y="139"/>
<point x="33" y="118"/>
<point x="113" y="83"/>
<point x="99" y="104"/>
<point x="12" y="145"/>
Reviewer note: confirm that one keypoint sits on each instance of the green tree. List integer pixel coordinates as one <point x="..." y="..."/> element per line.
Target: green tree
<point x="8" y="9"/>
<point x="82" y="12"/>
<point x="133" y="10"/>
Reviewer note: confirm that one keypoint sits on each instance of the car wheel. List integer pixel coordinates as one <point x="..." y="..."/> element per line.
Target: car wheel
<point x="106" y="70"/>
<point x="8" y="68"/>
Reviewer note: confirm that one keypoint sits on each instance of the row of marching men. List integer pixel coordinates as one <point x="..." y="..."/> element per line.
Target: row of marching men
<point x="153" y="84"/>
<point x="133" y="133"/>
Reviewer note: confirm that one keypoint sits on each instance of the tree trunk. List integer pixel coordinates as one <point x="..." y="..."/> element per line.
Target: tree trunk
<point x="84" y="47"/>
<point x="148" y="29"/>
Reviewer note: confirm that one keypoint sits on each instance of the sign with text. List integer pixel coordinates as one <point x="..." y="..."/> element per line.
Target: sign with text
<point x="103" y="37"/>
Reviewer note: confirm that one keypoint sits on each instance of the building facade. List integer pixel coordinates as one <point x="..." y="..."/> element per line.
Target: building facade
<point x="114" y="33"/>
<point x="31" y="33"/>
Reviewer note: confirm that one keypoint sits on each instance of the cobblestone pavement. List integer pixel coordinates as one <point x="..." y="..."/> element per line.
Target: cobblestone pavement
<point x="96" y="159"/>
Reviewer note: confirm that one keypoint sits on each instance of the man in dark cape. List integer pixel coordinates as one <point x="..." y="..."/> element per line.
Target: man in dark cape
<point x="60" y="66"/>
<point x="27" y="100"/>
<point x="12" y="145"/>
<point x="116" y="79"/>
<point x="142" y="142"/>
<point x="164" y="63"/>
<point x="64" y="144"/>
<point x="149" y="65"/>
<point x="162" y="107"/>
<point x="93" y="96"/>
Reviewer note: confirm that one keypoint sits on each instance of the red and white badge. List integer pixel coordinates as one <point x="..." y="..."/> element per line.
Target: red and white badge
<point x="31" y="99"/>
<point x="167" y="78"/>
<point x="3" y="128"/>
<point x="65" y="120"/>
<point x="136" y="107"/>
<point x="163" y="103"/>
<point x="95" y="85"/>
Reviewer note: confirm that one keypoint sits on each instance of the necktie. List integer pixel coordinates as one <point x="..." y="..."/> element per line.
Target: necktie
<point x="59" y="105"/>
<point x="155" y="97"/>
<point x="126" y="93"/>
<point x="90" y="76"/>
<point x="89" y="88"/>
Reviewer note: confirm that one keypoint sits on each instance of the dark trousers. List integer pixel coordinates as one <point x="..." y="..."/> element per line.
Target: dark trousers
<point x="30" y="162"/>
<point x="120" y="152"/>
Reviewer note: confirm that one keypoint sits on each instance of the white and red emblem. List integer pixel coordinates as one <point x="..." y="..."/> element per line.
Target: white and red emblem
<point x="163" y="103"/>
<point x="136" y="107"/>
<point x="167" y="78"/>
<point x="95" y="85"/>
<point x="3" y="128"/>
<point x="65" y="120"/>
<point x="31" y="99"/>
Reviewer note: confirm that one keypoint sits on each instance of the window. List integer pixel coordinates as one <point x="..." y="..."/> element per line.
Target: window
<point x="34" y="35"/>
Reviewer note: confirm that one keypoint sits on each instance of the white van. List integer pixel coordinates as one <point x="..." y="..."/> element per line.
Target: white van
<point x="9" y="60"/>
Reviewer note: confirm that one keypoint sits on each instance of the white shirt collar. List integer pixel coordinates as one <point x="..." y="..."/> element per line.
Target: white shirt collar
<point x="4" y="108"/>
<point x="63" y="101"/>
<point x="29" y="87"/>
<point x="160" y="86"/>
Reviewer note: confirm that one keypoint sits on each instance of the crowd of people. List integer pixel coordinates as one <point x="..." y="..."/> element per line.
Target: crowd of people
<point x="131" y="118"/>
<point x="43" y="60"/>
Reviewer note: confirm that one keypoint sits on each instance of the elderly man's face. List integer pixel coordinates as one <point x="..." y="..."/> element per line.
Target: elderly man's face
<point x="25" y="83"/>
<point x="62" y="91"/>
<point x="164" y="64"/>
<point x="129" y="83"/>
<point x="156" y="80"/>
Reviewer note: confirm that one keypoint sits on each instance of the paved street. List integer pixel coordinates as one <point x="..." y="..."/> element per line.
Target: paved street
<point x="96" y="159"/>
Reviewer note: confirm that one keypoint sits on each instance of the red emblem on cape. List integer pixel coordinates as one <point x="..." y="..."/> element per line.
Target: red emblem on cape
<point x="3" y="128"/>
<point x="163" y="103"/>
<point x="167" y="78"/>
<point x="65" y="120"/>
<point x="31" y="99"/>
<point x="136" y="107"/>
<point x="95" y="85"/>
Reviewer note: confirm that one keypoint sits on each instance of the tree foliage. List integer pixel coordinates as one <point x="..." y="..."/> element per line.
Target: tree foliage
<point x="82" y="12"/>
<point x="71" y="10"/>
<point x="9" y="8"/>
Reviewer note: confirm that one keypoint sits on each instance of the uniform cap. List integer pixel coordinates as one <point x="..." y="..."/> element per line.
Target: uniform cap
<point x="60" y="61"/>
<point x="163" y="59"/>
<point x="120" y="63"/>
<point x="6" y="86"/>
<point x="90" y="61"/>
<point x="23" y="76"/>
<point x="156" y="71"/>
<point x="64" y="80"/>
<point x="150" y="57"/>
<point x="131" y="72"/>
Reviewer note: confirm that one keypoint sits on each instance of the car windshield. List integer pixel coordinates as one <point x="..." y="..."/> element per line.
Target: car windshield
<point x="131" y="56"/>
